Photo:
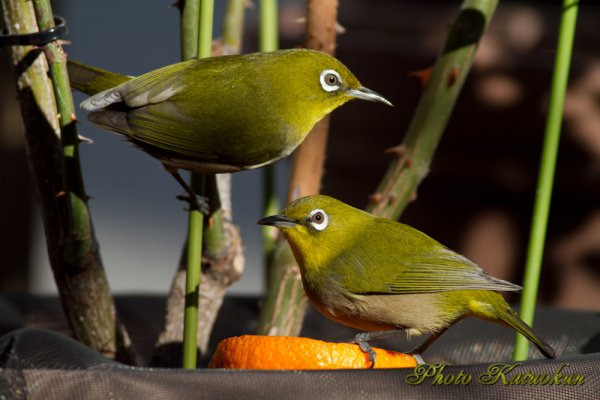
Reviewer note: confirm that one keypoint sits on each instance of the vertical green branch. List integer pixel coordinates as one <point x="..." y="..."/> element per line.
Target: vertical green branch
<point x="206" y="27"/>
<point x="269" y="41"/>
<point x="547" y="167"/>
<point x="222" y="254"/>
<point x="189" y="29"/>
<point x="202" y="13"/>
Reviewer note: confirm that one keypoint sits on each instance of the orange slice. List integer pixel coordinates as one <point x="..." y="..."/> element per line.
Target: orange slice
<point x="285" y="352"/>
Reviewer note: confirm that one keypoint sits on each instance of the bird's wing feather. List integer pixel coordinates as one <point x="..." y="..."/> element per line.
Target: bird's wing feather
<point x="155" y="86"/>
<point x="391" y="258"/>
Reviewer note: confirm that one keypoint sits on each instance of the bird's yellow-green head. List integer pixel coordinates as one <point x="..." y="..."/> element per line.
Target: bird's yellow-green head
<point x="307" y="85"/>
<point x="318" y="228"/>
<point x="325" y="78"/>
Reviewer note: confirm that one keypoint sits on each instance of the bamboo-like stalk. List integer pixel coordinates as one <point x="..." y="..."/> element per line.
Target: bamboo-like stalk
<point x="233" y="27"/>
<point x="196" y="219"/>
<point x="285" y="303"/>
<point x="547" y="167"/>
<point x="413" y="157"/>
<point x="52" y="142"/>
<point x="269" y="41"/>
<point x="189" y="28"/>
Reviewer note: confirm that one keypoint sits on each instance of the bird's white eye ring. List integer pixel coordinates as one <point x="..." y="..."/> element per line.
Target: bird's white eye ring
<point x="330" y="80"/>
<point x="318" y="219"/>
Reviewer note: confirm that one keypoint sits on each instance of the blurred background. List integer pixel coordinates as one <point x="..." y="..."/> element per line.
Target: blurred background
<point x="477" y="198"/>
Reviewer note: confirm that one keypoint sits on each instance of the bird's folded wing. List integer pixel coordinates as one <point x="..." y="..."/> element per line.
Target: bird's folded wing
<point x="407" y="272"/>
<point x="444" y="272"/>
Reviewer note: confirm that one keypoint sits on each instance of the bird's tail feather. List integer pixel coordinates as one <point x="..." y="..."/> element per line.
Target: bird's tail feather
<point x="92" y="80"/>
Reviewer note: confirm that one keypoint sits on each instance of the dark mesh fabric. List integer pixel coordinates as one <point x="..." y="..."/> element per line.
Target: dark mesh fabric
<point x="38" y="363"/>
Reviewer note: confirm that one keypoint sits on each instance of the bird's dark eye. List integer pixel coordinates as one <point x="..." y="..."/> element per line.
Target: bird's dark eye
<point x="330" y="80"/>
<point x="318" y="217"/>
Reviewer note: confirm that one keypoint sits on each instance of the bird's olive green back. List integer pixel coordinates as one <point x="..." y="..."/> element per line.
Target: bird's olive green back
<point x="371" y="255"/>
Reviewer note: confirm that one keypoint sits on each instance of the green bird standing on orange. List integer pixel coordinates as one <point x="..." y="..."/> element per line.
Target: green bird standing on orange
<point x="220" y="114"/>
<point x="378" y="275"/>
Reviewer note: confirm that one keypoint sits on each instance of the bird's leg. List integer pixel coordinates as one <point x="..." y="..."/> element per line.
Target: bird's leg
<point x="417" y="351"/>
<point x="362" y="339"/>
<point x="196" y="201"/>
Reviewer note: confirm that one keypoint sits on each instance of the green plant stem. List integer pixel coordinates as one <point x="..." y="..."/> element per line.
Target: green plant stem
<point x="222" y="255"/>
<point x="413" y="157"/>
<point x="547" y="167"/>
<point x="233" y="27"/>
<point x="192" y="282"/>
<point x="269" y="34"/>
<point x="189" y="29"/>
<point x="204" y="19"/>
<point x="190" y="20"/>
<point x="206" y="27"/>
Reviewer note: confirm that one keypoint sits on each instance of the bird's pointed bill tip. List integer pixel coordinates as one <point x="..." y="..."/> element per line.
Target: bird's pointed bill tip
<point x="369" y="95"/>
<point x="278" y="221"/>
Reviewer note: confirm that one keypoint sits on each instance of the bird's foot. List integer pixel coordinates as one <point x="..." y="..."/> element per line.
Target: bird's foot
<point x="361" y="339"/>
<point x="196" y="202"/>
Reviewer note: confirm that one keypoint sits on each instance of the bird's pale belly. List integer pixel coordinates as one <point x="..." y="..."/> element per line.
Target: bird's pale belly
<point x="417" y="313"/>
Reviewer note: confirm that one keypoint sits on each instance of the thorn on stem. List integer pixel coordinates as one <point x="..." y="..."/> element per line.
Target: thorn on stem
<point x="409" y="162"/>
<point x="376" y="198"/>
<point x="399" y="151"/>
<point x="413" y="196"/>
<point x="423" y="75"/>
<point x="85" y="139"/>
<point x="453" y="75"/>
<point x="61" y="193"/>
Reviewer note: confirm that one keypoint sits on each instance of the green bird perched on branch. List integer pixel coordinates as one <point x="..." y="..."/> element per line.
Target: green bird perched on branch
<point x="376" y="274"/>
<point x="220" y="114"/>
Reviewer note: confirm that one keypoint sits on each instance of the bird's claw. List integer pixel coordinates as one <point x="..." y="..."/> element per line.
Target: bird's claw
<point x="361" y="340"/>
<point x="196" y="202"/>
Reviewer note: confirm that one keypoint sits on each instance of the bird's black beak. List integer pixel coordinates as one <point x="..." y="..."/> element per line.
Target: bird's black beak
<point x="279" y="221"/>
<point x="369" y="95"/>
